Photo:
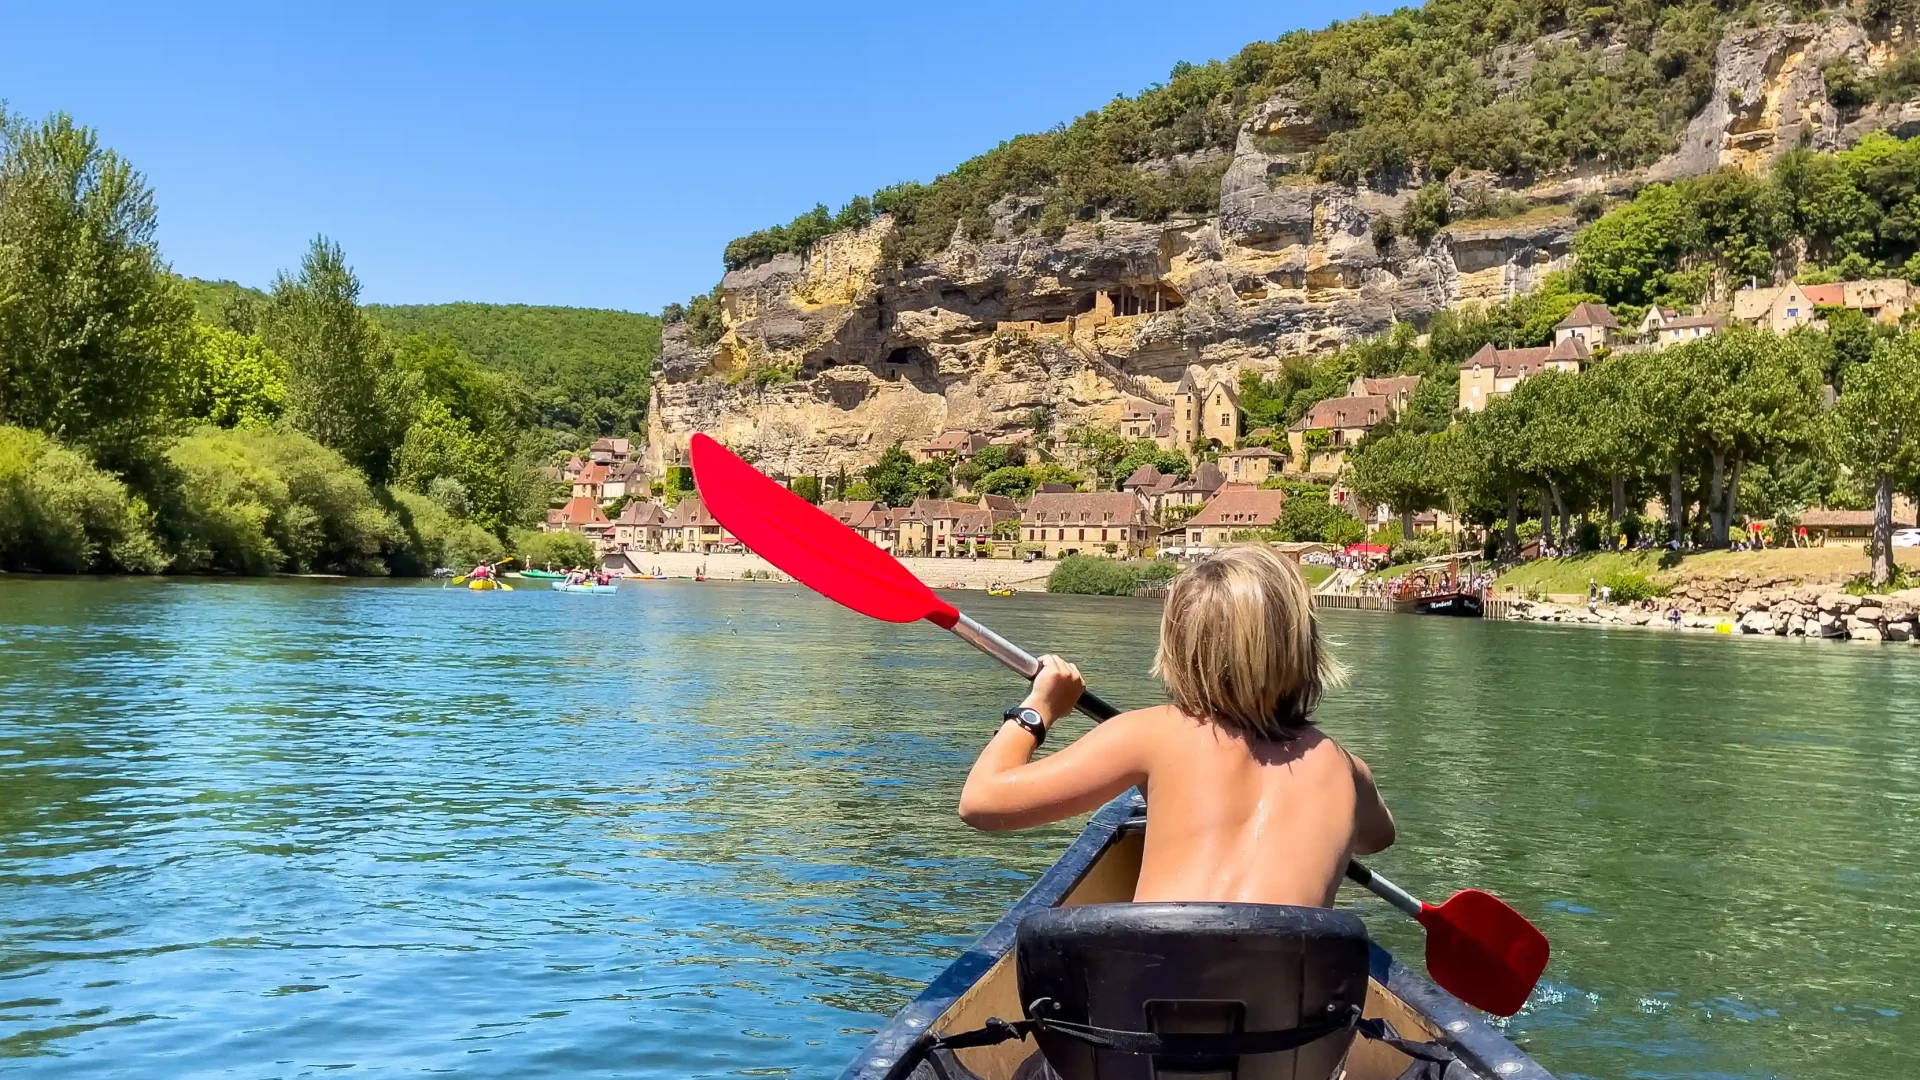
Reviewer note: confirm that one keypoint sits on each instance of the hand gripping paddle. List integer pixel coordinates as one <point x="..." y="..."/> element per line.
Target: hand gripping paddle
<point x="1479" y="948"/>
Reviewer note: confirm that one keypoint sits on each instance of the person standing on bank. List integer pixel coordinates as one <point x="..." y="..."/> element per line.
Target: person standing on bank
<point x="1247" y="801"/>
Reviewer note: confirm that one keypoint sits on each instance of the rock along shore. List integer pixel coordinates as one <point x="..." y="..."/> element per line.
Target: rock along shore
<point x="1817" y="611"/>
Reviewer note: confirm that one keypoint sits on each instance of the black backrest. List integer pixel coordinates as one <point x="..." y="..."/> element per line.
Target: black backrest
<point x="1193" y="968"/>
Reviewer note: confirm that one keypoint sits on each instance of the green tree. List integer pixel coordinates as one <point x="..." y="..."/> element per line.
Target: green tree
<point x="344" y="389"/>
<point x="807" y="487"/>
<point x="230" y="379"/>
<point x="1875" y="431"/>
<point x="892" y="479"/>
<point x="1760" y="393"/>
<point x="92" y="324"/>
<point x="1402" y="470"/>
<point x="1147" y="452"/>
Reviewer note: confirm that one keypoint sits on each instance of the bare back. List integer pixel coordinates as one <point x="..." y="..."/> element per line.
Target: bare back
<point x="1231" y="819"/>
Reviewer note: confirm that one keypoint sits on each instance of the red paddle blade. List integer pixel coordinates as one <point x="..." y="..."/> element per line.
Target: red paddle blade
<point x="807" y="543"/>
<point x="1483" y="952"/>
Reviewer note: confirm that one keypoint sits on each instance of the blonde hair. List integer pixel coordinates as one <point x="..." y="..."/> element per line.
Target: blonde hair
<point x="1240" y="647"/>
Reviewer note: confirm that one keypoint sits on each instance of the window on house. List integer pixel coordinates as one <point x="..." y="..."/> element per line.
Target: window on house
<point x="1063" y="534"/>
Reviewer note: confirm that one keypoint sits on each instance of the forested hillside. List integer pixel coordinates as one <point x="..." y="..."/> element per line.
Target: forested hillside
<point x="587" y="368"/>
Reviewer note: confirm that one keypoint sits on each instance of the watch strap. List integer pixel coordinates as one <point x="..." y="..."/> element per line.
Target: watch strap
<point x="1029" y="719"/>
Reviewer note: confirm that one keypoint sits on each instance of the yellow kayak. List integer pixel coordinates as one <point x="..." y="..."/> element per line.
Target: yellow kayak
<point x="484" y="584"/>
<point x="999" y="592"/>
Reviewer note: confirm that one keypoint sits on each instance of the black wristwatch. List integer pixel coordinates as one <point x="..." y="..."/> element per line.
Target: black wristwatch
<point x="1031" y="720"/>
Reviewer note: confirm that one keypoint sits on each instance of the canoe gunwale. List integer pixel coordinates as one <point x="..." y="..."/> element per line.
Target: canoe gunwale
<point x="1481" y="1047"/>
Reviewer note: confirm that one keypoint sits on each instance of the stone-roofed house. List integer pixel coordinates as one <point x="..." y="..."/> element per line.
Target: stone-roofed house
<point x="1592" y="324"/>
<point x="1783" y="308"/>
<point x="1089" y="523"/>
<point x="1254" y="464"/>
<point x="626" y="478"/>
<point x="610" y="451"/>
<point x="1146" y="420"/>
<point x="1491" y="372"/>
<point x="691" y="528"/>
<point x="640" y="526"/>
<point x="1233" y="510"/>
<point x="950" y="445"/>
<point x="1395" y="388"/>
<point x="1346" y="420"/>
<point x="1205" y="411"/>
<point x="927" y="526"/>
<point x="1194" y="490"/>
<point x="875" y="521"/>
<point x="1680" y="329"/>
<point x="592" y="482"/>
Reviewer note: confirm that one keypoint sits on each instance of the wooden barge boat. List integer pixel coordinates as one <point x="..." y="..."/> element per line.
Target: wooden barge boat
<point x="1100" y="868"/>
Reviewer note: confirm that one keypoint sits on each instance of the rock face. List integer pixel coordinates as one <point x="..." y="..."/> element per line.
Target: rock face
<point x="830" y="358"/>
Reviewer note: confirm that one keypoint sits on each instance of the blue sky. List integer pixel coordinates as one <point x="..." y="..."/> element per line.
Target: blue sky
<point x="594" y="155"/>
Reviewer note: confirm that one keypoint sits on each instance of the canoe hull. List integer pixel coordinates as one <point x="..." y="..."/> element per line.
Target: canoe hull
<point x="561" y="586"/>
<point x="488" y="585"/>
<point x="1101" y="867"/>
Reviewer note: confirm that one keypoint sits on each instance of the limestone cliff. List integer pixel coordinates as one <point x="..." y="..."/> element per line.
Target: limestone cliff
<point x="829" y="358"/>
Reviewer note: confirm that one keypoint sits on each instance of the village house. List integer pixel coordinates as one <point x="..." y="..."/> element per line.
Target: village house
<point x="1146" y="420"/>
<point x="1783" y="308"/>
<point x="1345" y="420"/>
<point x="609" y="451"/>
<point x="1205" y="412"/>
<point x="690" y="528"/>
<point x="1591" y="324"/>
<point x="578" y="515"/>
<point x="1234" y="510"/>
<point x="1194" y="490"/>
<point x="626" y="478"/>
<point x="927" y="526"/>
<point x="592" y="482"/>
<point x="1088" y="523"/>
<point x="1252" y="464"/>
<point x="1397" y="389"/>
<point x="1152" y="486"/>
<point x="583" y="516"/>
<point x="1492" y="372"/>
<point x="641" y="526"/>
<point x="877" y="522"/>
<point x="950" y="446"/>
<point x="572" y="468"/>
<point x="1663" y="328"/>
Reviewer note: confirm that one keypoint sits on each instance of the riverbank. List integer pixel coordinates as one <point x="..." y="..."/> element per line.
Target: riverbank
<point x="1697" y="581"/>
<point x="1807" y="611"/>
<point x="938" y="573"/>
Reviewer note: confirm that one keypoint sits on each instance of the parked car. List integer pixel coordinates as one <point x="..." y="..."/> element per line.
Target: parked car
<point x="1906" y="538"/>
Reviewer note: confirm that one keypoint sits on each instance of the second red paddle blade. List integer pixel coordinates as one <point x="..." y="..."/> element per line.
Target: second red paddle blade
<point x="1483" y="952"/>
<point x="806" y="542"/>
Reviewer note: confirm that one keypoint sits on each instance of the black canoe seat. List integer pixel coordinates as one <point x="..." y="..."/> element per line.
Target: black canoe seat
<point x="1145" y="991"/>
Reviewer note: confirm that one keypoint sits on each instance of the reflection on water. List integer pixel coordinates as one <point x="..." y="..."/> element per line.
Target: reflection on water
<point x="274" y="829"/>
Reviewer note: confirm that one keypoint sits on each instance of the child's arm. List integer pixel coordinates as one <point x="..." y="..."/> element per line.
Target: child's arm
<point x="1373" y="822"/>
<point x="1009" y="790"/>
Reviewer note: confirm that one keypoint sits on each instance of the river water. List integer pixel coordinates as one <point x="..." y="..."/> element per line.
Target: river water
<point x="288" y="828"/>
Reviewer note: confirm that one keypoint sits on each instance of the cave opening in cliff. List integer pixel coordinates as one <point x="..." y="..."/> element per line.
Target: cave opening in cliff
<point x="1146" y="298"/>
<point x="913" y="364"/>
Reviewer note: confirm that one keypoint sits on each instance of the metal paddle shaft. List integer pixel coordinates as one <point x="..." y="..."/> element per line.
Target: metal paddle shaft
<point x="1478" y="947"/>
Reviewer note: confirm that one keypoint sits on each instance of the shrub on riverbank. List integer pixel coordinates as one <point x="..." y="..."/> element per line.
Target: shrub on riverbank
<point x="1093" y="576"/>
<point x="538" y="550"/>
<point x="58" y="513"/>
<point x="435" y="538"/>
<point x="261" y="500"/>
<point x="1631" y="587"/>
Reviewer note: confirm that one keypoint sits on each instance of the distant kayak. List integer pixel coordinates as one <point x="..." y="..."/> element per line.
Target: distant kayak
<point x="561" y="586"/>
<point x="543" y="575"/>
<point x="487" y="585"/>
